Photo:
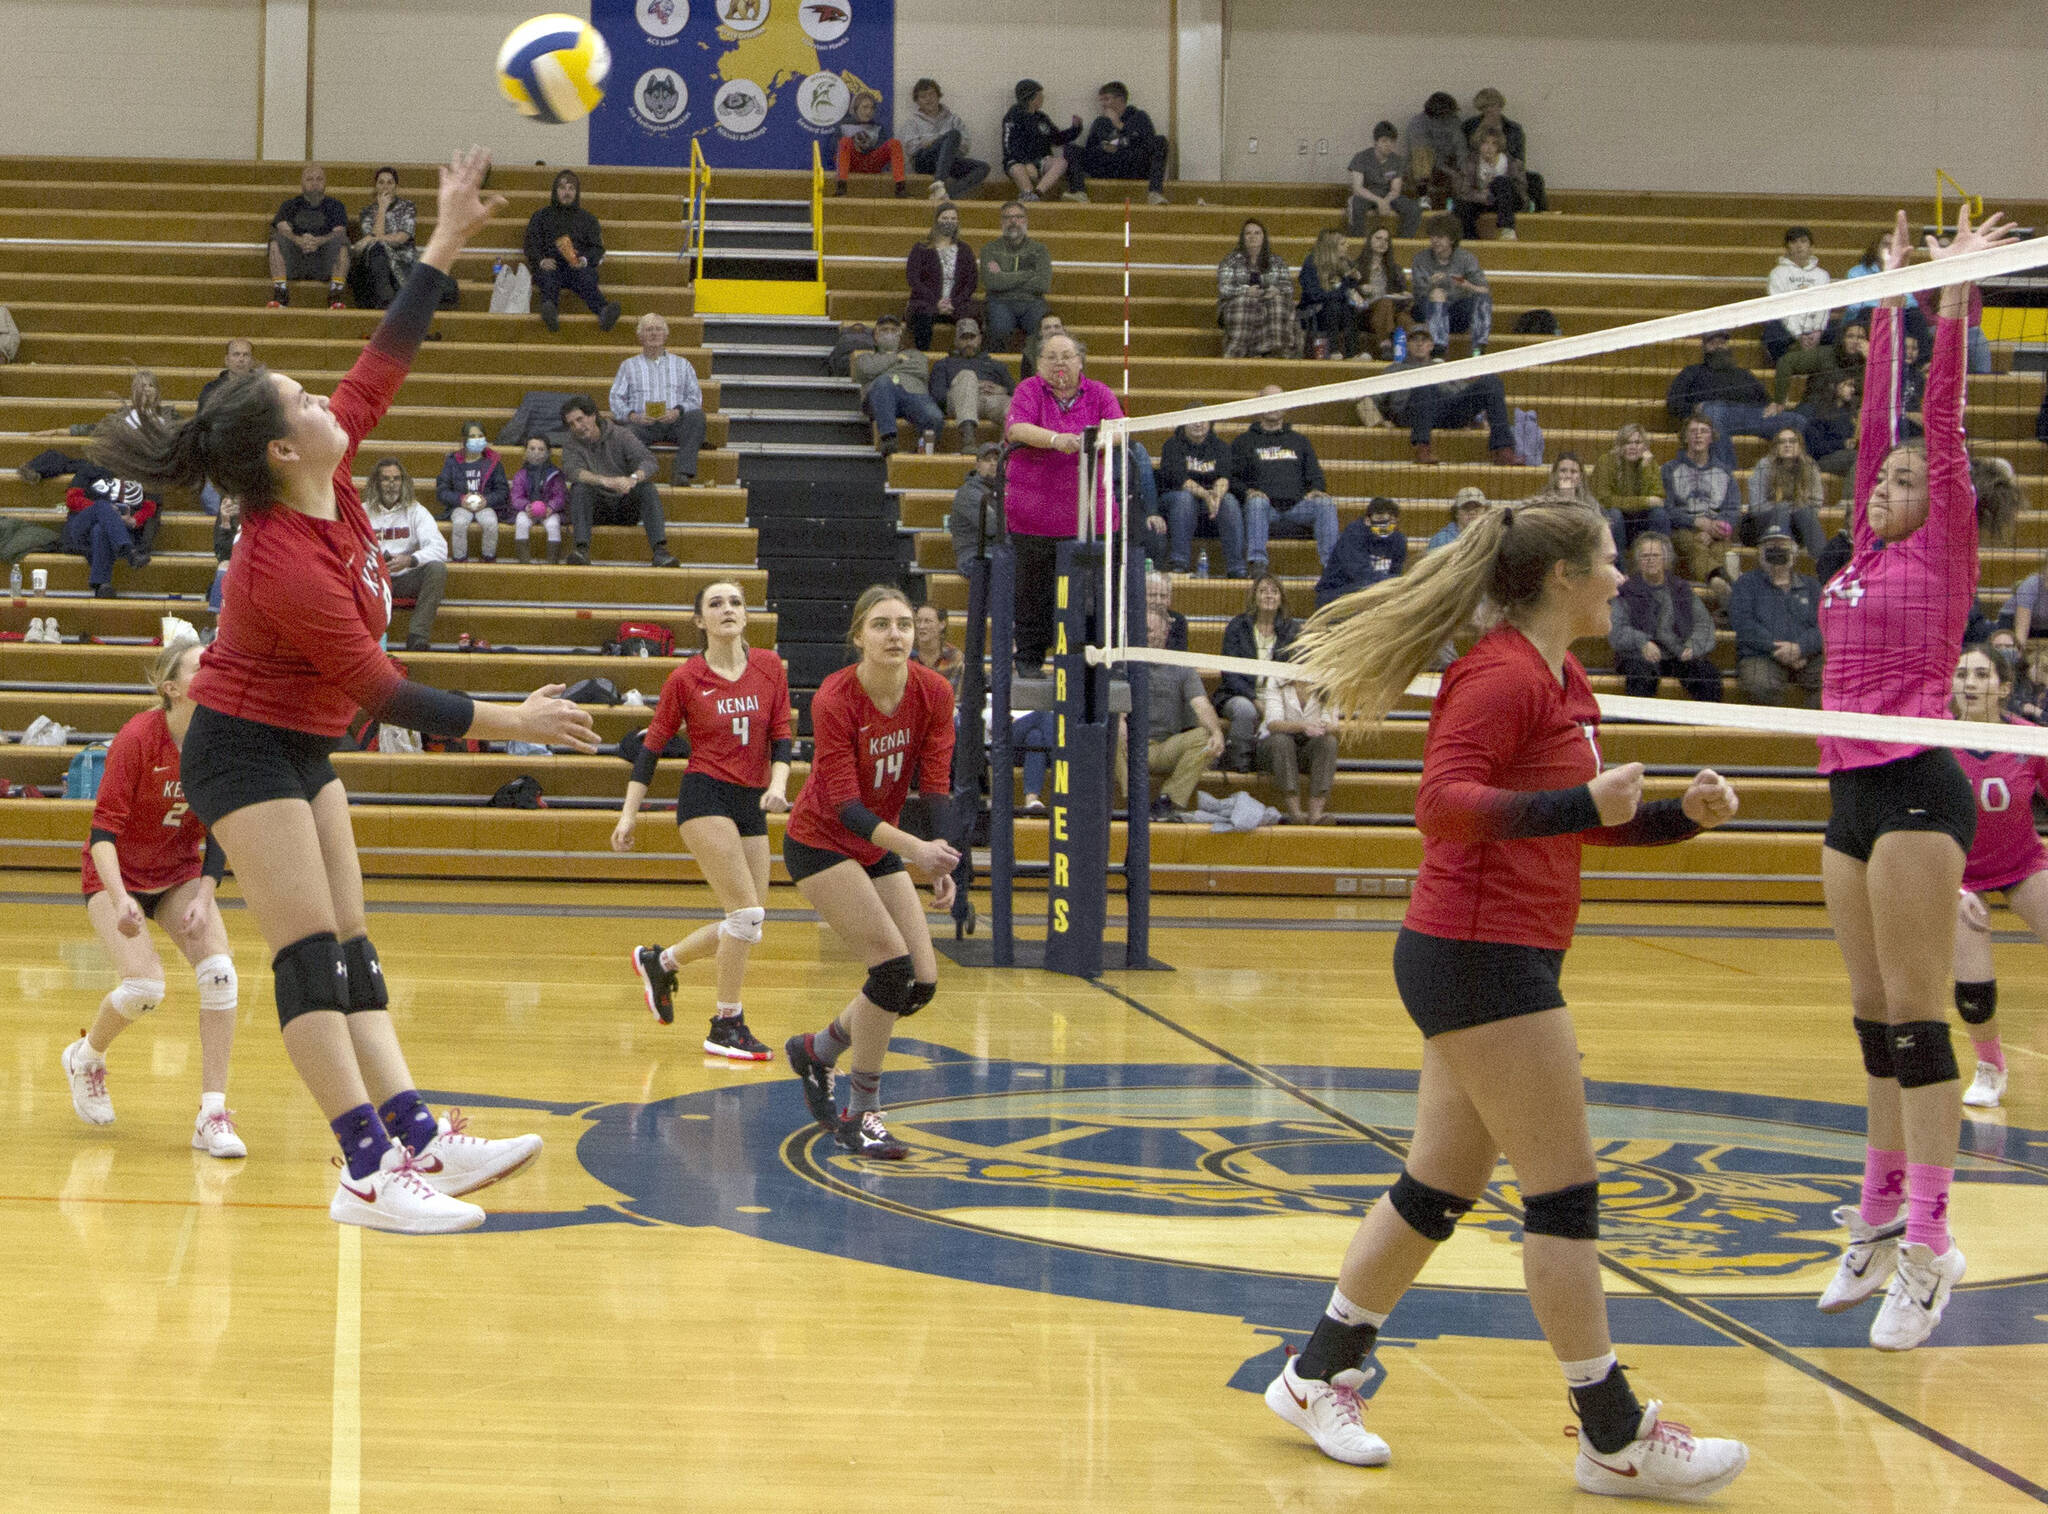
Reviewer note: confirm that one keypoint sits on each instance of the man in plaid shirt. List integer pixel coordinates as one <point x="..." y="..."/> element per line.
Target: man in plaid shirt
<point x="657" y="398"/>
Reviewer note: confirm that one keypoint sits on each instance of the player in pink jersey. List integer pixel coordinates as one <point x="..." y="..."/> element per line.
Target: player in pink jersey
<point x="1902" y="817"/>
<point x="2007" y="854"/>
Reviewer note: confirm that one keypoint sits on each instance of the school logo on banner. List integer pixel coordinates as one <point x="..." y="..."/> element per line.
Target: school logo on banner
<point x="823" y="100"/>
<point x="661" y="101"/>
<point x="662" y="19"/>
<point x="743" y="15"/>
<point x="825" y="21"/>
<point x="742" y="109"/>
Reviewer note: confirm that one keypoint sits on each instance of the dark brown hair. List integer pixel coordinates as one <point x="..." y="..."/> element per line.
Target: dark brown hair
<point x="227" y="442"/>
<point x="1265" y="259"/>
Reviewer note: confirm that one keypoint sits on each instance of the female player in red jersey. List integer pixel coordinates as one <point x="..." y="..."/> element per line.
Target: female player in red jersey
<point x="1512" y="788"/>
<point x="2007" y="855"/>
<point x="879" y="728"/>
<point x="731" y="701"/>
<point x="306" y="599"/>
<point x="1901" y="817"/>
<point x="149" y="858"/>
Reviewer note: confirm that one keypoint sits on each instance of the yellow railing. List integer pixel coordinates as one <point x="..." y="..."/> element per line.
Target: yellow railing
<point x="1963" y="197"/>
<point x="818" y="214"/>
<point x="699" y="190"/>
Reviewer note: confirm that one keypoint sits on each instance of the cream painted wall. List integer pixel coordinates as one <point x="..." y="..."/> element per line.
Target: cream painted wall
<point x="1853" y="96"/>
<point x="173" y="77"/>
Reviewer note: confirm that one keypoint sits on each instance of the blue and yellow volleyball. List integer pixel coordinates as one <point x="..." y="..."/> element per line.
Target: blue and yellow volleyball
<point x="553" y="68"/>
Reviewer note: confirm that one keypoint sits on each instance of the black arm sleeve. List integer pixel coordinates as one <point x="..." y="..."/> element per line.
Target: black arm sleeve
<point x="215" y="863"/>
<point x="782" y="750"/>
<point x="405" y="324"/>
<point x="859" y="819"/>
<point x="432" y="712"/>
<point x="643" y="766"/>
<point x="1658" y="823"/>
<point x="1545" y="812"/>
<point x="97" y="836"/>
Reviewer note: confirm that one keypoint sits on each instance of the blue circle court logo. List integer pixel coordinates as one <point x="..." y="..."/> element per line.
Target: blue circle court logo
<point x="1206" y="1189"/>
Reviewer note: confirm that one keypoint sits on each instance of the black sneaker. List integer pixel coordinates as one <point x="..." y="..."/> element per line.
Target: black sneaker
<point x="729" y="1037"/>
<point x="550" y="315"/>
<point x="658" y="981"/>
<point x="609" y="316"/>
<point x="816" y="1078"/>
<point x="867" y="1136"/>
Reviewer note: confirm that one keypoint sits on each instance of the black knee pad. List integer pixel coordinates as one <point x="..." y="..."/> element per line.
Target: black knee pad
<point x="1876" y="1039"/>
<point x="365" y="976"/>
<point x="919" y="996"/>
<point x="1977" y="1002"/>
<point x="1570" y="1214"/>
<point x="1922" y="1055"/>
<point x="1429" y="1212"/>
<point x="310" y="976"/>
<point x="889" y="984"/>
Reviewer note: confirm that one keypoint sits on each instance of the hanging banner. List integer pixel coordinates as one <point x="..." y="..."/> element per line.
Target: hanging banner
<point x="756" y="82"/>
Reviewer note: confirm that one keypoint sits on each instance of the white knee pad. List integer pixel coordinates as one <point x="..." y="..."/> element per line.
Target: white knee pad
<point x="743" y="924"/>
<point x="136" y="997"/>
<point x="218" y="985"/>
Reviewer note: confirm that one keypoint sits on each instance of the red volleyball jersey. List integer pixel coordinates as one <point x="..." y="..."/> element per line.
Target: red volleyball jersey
<point x="732" y="723"/>
<point x="306" y="600"/>
<point x="858" y="753"/>
<point x="141" y="801"/>
<point x="2008" y="848"/>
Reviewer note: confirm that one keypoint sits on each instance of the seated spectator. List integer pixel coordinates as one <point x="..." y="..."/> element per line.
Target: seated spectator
<point x="1121" y="144"/>
<point x="1159" y="596"/>
<point x="539" y="496"/>
<point x="1184" y="737"/>
<point x="1821" y="363"/>
<point x="1141" y="486"/>
<point x="564" y="245"/>
<point x="309" y="241"/>
<point x="611" y="482"/>
<point x="941" y="273"/>
<point x="1033" y="148"/>
<point x="1255" y="300"/>
<point x="1294" y="733"/>
<point x="383" y="255"/>
<point x="1451" y="293"/>
<point x="1466" y="506"/>
<point x="1330" y="299"/>
<point x="1491" y="181"/>
<point x="1776" y="618"/>
<point x="865" y="145"/>
<point x="1194" y="472"/>
<point x="1568" y="481"/>
<point x="1785" y="495"/>
<point x="108" y="518"/>
<point x="241" y="358"/>
<point x="414" y="555"/>
<point x="1379" y="185"/>
<point x="1491" y="108"/>
<point x="1049" y="326"/>
<point x="657" y="397"/>
<point x="1832" y="417"/>
<point x="937" y="142"/>
<point x="145" y="401"/>
<point x="1798" y="268"/>
<point x="1273" y="468"/>
<point x="931" y="647"/>
<point x="1369" y="551"/>
<point x="1263" y="632"/>
<point x="1016" y="276"/>
<point x="1660" y="628"/>
<point x="1702" y="500"/>
<point x="968" y="384"/>
<point x="2029" y="697"/>
<point x="1628" y="488"/>
<point x="1455" y="403"/>
<point x="1436" y="150"/>
<point x="1869" y="261"/>
<point x="974" y="520"/>
<point x="1382" y="290"/>
<point x="473" y="487"/>
<point x="895" y="386"/>
<point x="1729" y="395"/>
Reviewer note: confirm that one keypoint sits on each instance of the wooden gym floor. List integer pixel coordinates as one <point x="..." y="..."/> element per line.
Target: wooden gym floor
<point x="1125" y="1199"/>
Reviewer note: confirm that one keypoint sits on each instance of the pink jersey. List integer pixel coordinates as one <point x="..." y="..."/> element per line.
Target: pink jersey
<point x="2007" y="847"/>
<point x="1892" y="620"/>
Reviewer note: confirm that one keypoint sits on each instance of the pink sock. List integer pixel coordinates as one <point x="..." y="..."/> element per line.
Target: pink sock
<point x="1884" y="1185"/>
<point x="1990" y="1052"/>
<point x="1927" y="1205"/>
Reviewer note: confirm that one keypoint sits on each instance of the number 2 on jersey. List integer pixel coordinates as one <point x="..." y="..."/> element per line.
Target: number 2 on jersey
<point x="887" y="770"/>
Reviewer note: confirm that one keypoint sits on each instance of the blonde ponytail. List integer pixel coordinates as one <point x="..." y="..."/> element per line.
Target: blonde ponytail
<point x="164" y="666"/>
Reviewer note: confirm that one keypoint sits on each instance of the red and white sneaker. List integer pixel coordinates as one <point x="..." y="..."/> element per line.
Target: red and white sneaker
<point x="398" y="1198"/>
<point x="215" y="1134"/>
<point x="87" y="1075"/>
<point x="1329" y="1413"/>
<point x="457" y="1163"/>
<point x="1664" y="1461"/>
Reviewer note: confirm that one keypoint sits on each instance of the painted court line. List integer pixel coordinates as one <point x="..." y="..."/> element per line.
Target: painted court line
<point x="1704" y="1313"/>
<point x="345" y="1464"/>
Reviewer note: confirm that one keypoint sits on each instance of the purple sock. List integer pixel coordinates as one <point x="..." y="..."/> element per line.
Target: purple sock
<point x="409" y="1120"/>
<point x="363" y="1142"/>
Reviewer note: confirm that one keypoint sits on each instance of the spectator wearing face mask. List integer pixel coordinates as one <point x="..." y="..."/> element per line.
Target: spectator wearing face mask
<point x="896" y="386"/>
<point x="941" y="274"/>
<point x="1776" y="618"/>
<point x="414" y="555"/>
<point x="539" y="496"/>
<point x="1368" y="552"/>
<point x="473" y="487"/>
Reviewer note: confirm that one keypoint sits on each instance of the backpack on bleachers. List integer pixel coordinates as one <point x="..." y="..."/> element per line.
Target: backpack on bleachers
<point x="1538" y="322"/>
<point x="646" y="638"/>
<point x="855" y="338"/>
<point x="522" y="793"/>
<point x="82" y="777"/>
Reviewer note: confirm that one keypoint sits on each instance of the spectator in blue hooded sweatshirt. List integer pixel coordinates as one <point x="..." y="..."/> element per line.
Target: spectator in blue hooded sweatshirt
<point x="1368" y="552"/>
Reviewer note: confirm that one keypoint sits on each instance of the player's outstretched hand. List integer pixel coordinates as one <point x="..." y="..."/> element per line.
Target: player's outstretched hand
<point x="463" y="206"/>
<point x="551" y="720"/>
<point x="1710" y="801"/>
<point x="1995" y="232"/>
<point x="1617" y="792"/>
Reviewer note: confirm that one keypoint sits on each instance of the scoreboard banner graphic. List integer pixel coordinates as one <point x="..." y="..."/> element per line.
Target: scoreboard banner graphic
<point x="755" y="82"/>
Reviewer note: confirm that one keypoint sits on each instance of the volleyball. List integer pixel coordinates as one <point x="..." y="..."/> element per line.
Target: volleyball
<point x="553" y="68"/>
